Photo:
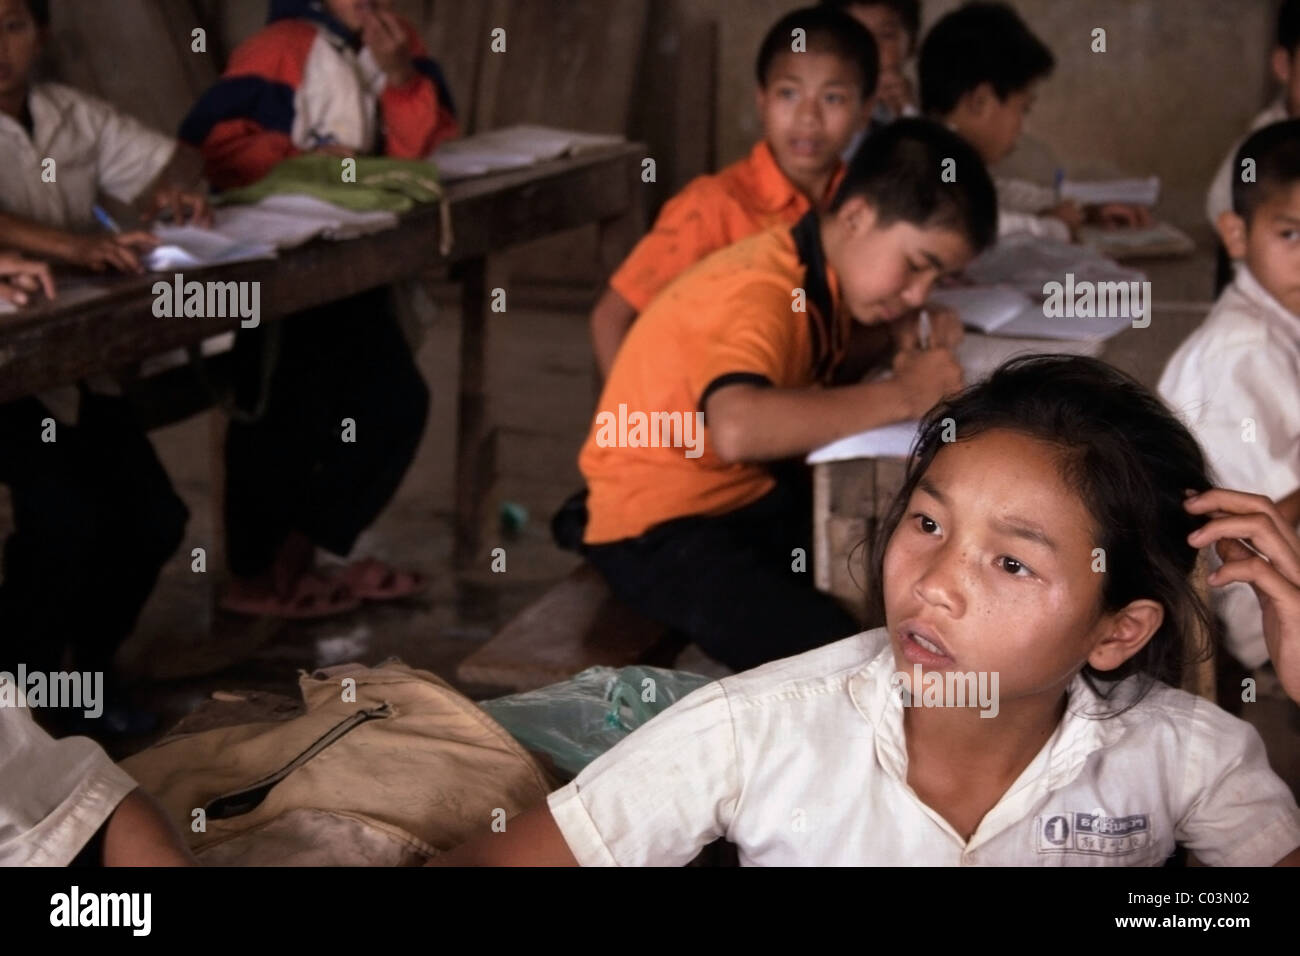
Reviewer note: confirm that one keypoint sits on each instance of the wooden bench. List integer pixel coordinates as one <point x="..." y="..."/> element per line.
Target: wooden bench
<point x="575" y="625"/>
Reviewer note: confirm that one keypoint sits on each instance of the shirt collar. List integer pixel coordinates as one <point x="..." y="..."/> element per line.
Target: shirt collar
<point x="828" y="319"/>
<point x="1060" y="761"/>
<point x="46" y="116"/>
<point x="1245" y="283"/>
<point x="772" y="189"/>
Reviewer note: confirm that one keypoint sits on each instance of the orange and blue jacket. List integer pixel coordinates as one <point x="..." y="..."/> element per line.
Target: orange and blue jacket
<point x="304" y="81"/>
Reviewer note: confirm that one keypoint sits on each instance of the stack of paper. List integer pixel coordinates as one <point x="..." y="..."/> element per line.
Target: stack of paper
<point x="1157" y="240"/>
<point x="512" y="147"/>
<point x="1004" y="311"/>
<point x="979" y="356"/>
<point x="288" y="220"/>
<point x="1028" y="263"/>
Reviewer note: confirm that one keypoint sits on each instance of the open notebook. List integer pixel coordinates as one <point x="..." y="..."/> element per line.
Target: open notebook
<point x="979" y="355"/>
<point x="512" y="147"/>
<point x="257" y="231"/>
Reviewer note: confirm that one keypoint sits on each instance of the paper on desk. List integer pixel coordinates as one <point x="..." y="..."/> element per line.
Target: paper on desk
<point x="512" y="147"/>
<point x="979" y="356"/>
<point x="1137" y="191"/>
<point x="1004" y="311"/>
<point x="1158" y="239"/>
<point x="287" y="220"/>
<point x="1028" y="263"/>
<point x="188" y="247"/>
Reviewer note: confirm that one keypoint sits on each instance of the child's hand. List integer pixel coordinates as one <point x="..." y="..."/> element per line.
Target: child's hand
<point x="119" y="251"/>
<point x="22" y="277"/>
<point x="924" y="376"/>
<point x="1112" y="215"/>
<point x="946" y="330"/>
<point x="1069" y="213"/>
<point x="183" y="205"/>
<point x="1275" y="577"/>
<point x="382" y="32"/>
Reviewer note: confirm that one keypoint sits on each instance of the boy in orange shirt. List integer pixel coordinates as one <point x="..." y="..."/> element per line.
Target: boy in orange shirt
<point x="811" y="103"/>
<point x="725" y="376"/>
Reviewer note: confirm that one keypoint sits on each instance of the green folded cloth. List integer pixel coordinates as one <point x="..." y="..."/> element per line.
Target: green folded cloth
<point x="390" y="185"/>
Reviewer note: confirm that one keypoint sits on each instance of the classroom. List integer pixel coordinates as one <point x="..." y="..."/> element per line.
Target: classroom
<point x="713" y="433"/>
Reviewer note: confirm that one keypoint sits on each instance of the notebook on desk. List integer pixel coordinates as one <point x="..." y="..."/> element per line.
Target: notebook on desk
<point x="979" y="356"/>
<point x="512" y="147"/>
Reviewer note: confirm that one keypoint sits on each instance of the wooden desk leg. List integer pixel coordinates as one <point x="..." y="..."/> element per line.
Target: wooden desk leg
<point x="471" y="413"/>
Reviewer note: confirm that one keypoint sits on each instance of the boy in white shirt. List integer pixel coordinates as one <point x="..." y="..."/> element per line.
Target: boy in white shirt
<point x="95" y="515"/>
<point x="1286" y="70"/>
<point x="1236" y="380"/>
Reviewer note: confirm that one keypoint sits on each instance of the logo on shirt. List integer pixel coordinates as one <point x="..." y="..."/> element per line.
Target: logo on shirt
<point x="1093" y="833"/>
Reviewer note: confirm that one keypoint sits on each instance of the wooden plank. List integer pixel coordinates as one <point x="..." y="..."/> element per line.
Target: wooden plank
<point x="54" y="344"/>
<point x="575" y="625"/>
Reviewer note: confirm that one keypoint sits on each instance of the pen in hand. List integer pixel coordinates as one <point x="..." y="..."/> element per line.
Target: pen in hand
<point x="105" y="220"/>
<point x="923" y="329"/>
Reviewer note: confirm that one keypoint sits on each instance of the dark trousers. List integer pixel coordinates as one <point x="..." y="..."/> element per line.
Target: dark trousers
<point x="728" y="582"/>
<point x="95" y="519"/>
<point x="291" y="470"/>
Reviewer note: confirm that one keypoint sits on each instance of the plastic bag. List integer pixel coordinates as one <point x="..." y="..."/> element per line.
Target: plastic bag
<point x="577" y="720"/>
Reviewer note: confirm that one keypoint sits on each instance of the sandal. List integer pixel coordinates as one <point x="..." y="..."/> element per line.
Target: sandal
<point x="373" y="580"/>
<point x="314" y="596"/>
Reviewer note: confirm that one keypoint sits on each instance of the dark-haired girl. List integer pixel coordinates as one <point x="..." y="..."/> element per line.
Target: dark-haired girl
<point x="1051" y="544"/>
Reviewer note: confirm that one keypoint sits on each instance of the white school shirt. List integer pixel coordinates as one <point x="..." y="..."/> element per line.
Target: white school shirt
<point x="803" y="762"/>
<point x="1242" y="363"/>
<point x="1219" y="198"/>
<point x="95" y="149"/>
<point x="54" y="795"/>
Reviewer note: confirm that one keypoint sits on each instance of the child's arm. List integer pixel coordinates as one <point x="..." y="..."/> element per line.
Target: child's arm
<point x="610" y="320"/>
<point x="753" y="423"/>
<point x="94" y="252"/>
<point x="139" y="834"/>
<point x="178" y="190"/>
<point x="530" y="839"/>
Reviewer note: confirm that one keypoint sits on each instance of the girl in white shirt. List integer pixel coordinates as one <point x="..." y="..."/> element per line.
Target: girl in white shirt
<point x="1046" y="549"/>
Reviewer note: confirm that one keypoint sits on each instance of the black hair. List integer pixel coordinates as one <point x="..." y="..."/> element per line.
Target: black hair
<point x="1129" y="459"/>
<point x="40" y="11"/>
<point x="907" y="11"/>
<point x="1275" y="150"/>
<point x="979" y="43"/>
<point x="825" y="31"/>
<point x="901" y="170"/>
<point x="1288" y="26"/>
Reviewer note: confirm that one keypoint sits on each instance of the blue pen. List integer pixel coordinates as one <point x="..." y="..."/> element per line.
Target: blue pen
<point x="105" y="219"/>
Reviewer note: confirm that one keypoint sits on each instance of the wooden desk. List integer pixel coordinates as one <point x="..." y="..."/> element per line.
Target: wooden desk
<point x="58" y="343"/>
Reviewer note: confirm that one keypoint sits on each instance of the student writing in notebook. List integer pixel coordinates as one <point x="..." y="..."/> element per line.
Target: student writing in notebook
<point x="741" y="349"/>
<point x="980" y="68"/>
<point x="95" y="515"/>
